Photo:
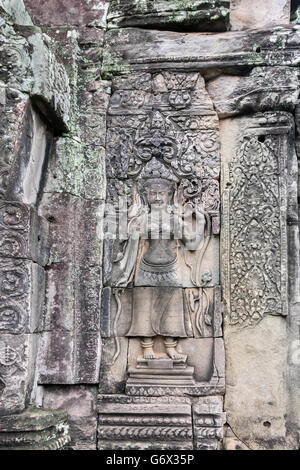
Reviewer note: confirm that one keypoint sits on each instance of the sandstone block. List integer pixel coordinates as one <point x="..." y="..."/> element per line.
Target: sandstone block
<point x="254" y="14"/>
<point x="34" y="429"/>
<point x="24" y="234"/>
<point x="22" y="286"/>
<point x="16" y="370"/>
<point x="172" y="15"/>
<point x="79" y="402"/>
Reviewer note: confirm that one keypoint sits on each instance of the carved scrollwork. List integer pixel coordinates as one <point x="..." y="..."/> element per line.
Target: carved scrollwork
<point x="11" y="319"/>
<point x="12" y="216"/>
<point x="255" y="259"/>
<point x="10" y="357"/>
<point x="11" y="244"/>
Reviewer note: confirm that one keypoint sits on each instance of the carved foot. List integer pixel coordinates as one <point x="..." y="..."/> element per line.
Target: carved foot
<point x="147" y="345"/>
<point x="149" y="353"/>
<point x="171" y="345"/>
<point x="175" y="355"/>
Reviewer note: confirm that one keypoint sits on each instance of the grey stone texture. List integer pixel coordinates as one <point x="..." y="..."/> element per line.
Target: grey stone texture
<point x="35" y="104"/>
<point x="169" y="103"/>
<point x="254" y="14"/>
<point x="208" y="423"/>
<point x="34" y="429"/>
<point x="191" y="15"/>
<point x="71" y="13"/>
<point x="80" y="404"/>
<point x="129" y="423"/>
<point x="232" y="51"/>
<point x="262" y="348"/>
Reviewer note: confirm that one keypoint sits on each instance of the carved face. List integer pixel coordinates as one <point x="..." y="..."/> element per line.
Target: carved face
<point x="159" y="194"/>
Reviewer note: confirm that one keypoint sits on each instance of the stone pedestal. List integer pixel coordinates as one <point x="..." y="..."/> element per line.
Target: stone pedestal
<point x="161" y="371"/>
<point x="34" y="429"/>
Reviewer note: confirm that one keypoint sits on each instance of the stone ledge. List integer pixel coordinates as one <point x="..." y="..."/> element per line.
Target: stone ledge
<point x="34" y="429"/>
<point x="234" y="51"/>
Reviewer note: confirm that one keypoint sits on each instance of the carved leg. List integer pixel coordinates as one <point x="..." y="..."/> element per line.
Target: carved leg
<point x="171" y="345"/>
<point x="147" y="345"/>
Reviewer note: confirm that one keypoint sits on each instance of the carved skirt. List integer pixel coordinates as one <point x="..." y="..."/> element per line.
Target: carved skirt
<point x="159" y="311"/>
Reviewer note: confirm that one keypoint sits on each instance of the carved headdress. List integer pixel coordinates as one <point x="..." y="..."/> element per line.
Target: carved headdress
<point x="154" y="169"/>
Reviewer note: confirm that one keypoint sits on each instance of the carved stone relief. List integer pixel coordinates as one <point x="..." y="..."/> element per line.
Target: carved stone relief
<point x="255" y="232"/>
<point x="16" y="371"/>
<point x="23" y="232"/>
<point x="161" y="302"/>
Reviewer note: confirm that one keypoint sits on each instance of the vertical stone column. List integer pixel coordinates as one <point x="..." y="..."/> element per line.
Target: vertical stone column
<point x="73" y="203"/>
<point x="23" y="247"/>
<point x="23" y="233"/>
<point x="257" y="153"/>
<point x="293" y="374"/>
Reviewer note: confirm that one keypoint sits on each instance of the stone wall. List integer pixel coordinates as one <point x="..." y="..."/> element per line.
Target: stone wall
<point x="88" y="91"/>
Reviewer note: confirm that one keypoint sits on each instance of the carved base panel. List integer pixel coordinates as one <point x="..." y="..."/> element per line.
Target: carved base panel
<point x="126" y="422"/>
<point x="134" y="445"/>
<point x="136" y="423"/>
<point x="34" y="429"/>
<point x="208" y="422"/>
<point x="165" y="390"/>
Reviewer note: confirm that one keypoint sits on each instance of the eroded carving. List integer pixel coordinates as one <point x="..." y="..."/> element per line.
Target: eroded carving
<point x="257" y="229"/>
<point x="163" y="207"/>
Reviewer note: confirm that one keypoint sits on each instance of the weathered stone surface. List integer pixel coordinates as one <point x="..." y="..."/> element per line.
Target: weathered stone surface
<point x="71" y="343"/>
<point x="254" y="218"/>
<point x="75" y="229"/>
<point x="132" y="421"/>
<point x="13" y="115"/>
<point x="34" y="429"/>
<point x="264" y="295"/>
<point x="71" y="348"/>
<point x="264" y="89"/>
<point x="293" y="371"/>
<point x="77" y="162"/>
<point x="17" y="11"/>
<point x="231" y="442"/>
<point x="24" y="234"/>
<point x="22" y="286"/>
<point x="190" y="15"/>
<point x="208" y="421"/>
<point x="33" y="419"/>
<point x="261" y="349"/>
<point x="206" y="53"/>
<point x="27" y="171"/>
<point x="17" y="353"/>
<point x="174" y="137"/>
<point x="79" y="402"/>
<point x="161" y="116"/>
<point x="55" y="363"/>
<point x="113" y="365"/>
<point x="30" y="66"/>
<point x="73" y="12"/>
<point x="254" y="14"/>
<point x="25" y="140"/>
